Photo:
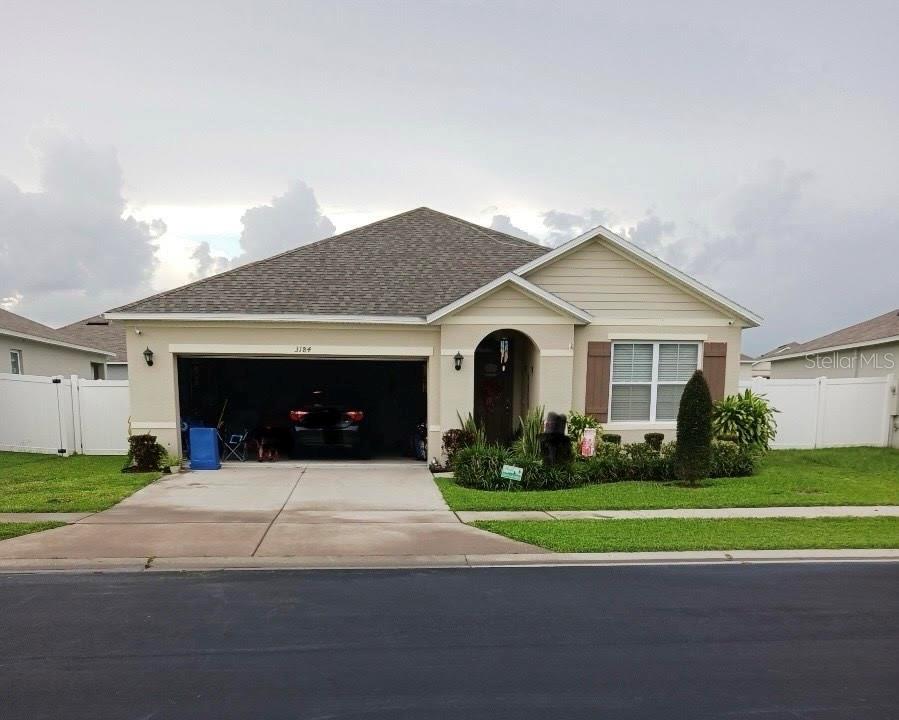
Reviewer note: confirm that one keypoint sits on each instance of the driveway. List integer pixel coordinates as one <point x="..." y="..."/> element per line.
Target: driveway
<point x="315" y="510"/>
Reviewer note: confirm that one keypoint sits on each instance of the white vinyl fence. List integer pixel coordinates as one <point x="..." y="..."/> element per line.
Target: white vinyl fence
<point x="63" y="415"/>
<point x="830" y="412"/>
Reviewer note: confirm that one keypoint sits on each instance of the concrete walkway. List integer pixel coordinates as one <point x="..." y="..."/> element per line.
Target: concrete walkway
<point x="245" y="511"/>
<point x="763" y="512"/>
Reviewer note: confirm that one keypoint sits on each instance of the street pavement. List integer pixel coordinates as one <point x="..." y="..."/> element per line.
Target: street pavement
<point x="767" y="642"/>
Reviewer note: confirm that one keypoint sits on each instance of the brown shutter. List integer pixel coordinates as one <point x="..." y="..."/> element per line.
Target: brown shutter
<point x="599" y="365"/>
<point x="714" y="366"/>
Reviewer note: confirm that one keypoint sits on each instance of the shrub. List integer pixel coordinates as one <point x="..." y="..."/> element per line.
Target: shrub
<point x="578" y="422"/>
<point x="469" y="425"/>
<point x="692" y="458"/>
<point x="455" y="440"/>
<point x="747" y="417"/>
<point x="654" y="440"/>
<point x="144" y="454"/>
<point x="479" y="466"/>
<point x="609" y="464"/>
<point x="528" y="443"/>
<point x="730" y="459"/>
<point x="644" y="462"/>
<point x="611" y="438"/>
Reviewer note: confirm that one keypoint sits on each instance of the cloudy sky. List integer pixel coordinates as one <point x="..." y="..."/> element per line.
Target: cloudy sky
<point x="753" y="145"/>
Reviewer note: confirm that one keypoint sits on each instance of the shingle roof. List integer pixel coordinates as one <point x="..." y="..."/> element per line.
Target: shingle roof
<point x="878" y="328"/>
<point x="779" y="350"/>
<point x="99" y="332"/>
<point x="22" y="325"/>
<point x="406" y="265"/>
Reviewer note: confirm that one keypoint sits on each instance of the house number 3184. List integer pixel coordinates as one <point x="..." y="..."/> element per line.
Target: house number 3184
<point x="304" y="349"/>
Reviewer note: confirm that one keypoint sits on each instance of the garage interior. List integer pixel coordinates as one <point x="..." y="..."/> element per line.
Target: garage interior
<point x="257" y="395"/>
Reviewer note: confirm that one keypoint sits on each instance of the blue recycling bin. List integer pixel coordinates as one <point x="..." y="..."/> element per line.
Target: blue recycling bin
<point x="204" y="449"/>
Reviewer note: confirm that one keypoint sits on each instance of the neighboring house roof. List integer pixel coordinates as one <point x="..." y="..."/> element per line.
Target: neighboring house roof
<point x="97" y="331"/>
<point x="15" y="325"/>
<point x="406" y="265"/>
<point x="881" y="329"/>
<point x="779" y="350"/>
<point x="414" y="267"/>
<point x="744" y="358"/>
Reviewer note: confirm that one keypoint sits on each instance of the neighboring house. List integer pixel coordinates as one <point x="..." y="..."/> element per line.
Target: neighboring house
<point x="426" y="317"/>
<point x="30" y="348"/>
<point x="751" y="367"/>
<point x="97" y="331"/>
<point x="867" y="349"/>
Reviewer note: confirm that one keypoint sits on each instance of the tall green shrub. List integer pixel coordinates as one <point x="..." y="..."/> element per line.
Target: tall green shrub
<point x="693" y="456"/>
<point x="528" y="443"/>
<point x="747" y="417"/>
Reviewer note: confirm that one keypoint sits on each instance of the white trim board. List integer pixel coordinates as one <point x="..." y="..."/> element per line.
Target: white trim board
<point x="546" y="298"/>
<point x="663" y="268"/>
<point x="312" y="350"/>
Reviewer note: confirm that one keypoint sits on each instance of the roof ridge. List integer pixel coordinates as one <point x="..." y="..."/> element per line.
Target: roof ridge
<point x="208" y="278"/>
<point x="482" y="228"/>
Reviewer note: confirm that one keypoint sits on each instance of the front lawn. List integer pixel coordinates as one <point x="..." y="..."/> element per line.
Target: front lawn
<point x="11" y="530"/>
<point x="30" y="482"/>
<point x="835" y="476"/>
<point x="690" y="534"/>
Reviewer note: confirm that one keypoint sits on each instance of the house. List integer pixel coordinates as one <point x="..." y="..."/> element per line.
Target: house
<point x="751" y="367"/>
<point x="97" y="331"/>
<point x="867" y="349"/>
<point x="423" y="317"/>
<point x="30" y="348"/>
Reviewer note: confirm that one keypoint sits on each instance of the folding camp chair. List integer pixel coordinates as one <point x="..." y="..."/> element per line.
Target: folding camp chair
<point x="235" y="446"/>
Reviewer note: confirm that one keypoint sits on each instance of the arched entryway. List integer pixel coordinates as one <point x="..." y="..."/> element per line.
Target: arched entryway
<point x="504" y="370"/>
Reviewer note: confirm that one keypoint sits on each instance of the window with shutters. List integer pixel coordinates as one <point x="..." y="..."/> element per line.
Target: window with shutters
<point x="648" y="379"/>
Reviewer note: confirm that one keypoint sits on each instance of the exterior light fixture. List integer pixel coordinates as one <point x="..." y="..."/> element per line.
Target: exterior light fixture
<point x="457" y="361"/>
<point x="148" y="357"/>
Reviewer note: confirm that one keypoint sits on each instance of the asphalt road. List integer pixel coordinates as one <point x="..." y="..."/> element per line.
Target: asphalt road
<point x="753" y="641"/>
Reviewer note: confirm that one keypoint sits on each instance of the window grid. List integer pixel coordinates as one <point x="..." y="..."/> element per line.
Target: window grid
<point x="654" y="381"/>
<point x="15" y="362"/>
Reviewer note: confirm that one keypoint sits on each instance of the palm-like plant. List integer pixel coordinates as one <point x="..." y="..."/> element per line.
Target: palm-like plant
<point x="528" y="443"/>
<point x="746" y="417"/>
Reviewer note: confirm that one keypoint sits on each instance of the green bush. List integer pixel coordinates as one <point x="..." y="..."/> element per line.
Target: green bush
<point x="644" y="462"/>
<point x="730" y="459"/>
<point x="527" y="445"/>
<point x="746" y="417"/>
<point x="144" y="454"/>
<point x="609" y="464"/>
<point x="692" y="458"/>
<point x="611" y="438"/>
<point x="479" y="466"/>
<point x="455" y="440"/>
<point x="578" y="422"/>
<point x="654" y="440"/>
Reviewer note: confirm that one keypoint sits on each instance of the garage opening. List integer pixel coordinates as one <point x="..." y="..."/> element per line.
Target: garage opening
<point x="303" y="407"/>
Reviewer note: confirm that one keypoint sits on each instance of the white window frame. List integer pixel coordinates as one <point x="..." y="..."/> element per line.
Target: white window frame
<point x="18" y="355"/>
<point x="653" y="383"/>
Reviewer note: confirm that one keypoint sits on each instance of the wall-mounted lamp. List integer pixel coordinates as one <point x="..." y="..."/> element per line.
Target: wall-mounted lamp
<point x="457" y="361"/>
<point x="148" y="357"/>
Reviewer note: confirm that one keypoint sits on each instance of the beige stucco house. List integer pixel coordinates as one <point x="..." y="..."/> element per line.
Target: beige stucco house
<point x="429" y="317"/>
<point x="31" y="348"/>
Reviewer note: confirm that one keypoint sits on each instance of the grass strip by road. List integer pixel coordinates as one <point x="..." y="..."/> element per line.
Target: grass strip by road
<point x="834" y="476"/>
<point x="11" y="530"/>
<point x="30" y="482"/>
<point x="693" y="534"/>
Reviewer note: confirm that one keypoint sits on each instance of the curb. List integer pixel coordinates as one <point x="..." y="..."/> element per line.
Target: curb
<point x="383" y="562"/>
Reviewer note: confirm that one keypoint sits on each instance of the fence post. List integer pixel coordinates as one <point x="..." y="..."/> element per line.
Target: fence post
<point x="821" y="400"/>
<point x="76" y="412"/>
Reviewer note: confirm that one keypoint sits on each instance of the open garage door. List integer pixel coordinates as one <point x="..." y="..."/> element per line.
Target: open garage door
<point x="258" y="394"/>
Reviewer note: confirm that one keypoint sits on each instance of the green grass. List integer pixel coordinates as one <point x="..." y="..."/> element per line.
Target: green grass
<point x="11" y="530"/>
<point x="689" y="534"/>
<point x="836" y="476"/>
<point x="30" y="482"/>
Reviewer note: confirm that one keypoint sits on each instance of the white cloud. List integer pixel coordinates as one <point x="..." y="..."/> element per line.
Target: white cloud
<point x="291" y="220"/>
<point x="70" y="249"/>
<point x="503" y="223"/>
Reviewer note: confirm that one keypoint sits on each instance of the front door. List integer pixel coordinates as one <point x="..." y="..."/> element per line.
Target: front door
<point x="493" y="388"/>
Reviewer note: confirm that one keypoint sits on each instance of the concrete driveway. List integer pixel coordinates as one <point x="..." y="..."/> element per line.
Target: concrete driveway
<point x="252" y="510"/>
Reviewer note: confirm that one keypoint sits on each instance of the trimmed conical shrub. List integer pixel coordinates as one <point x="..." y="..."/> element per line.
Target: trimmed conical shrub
<point x="693" y="456"/>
